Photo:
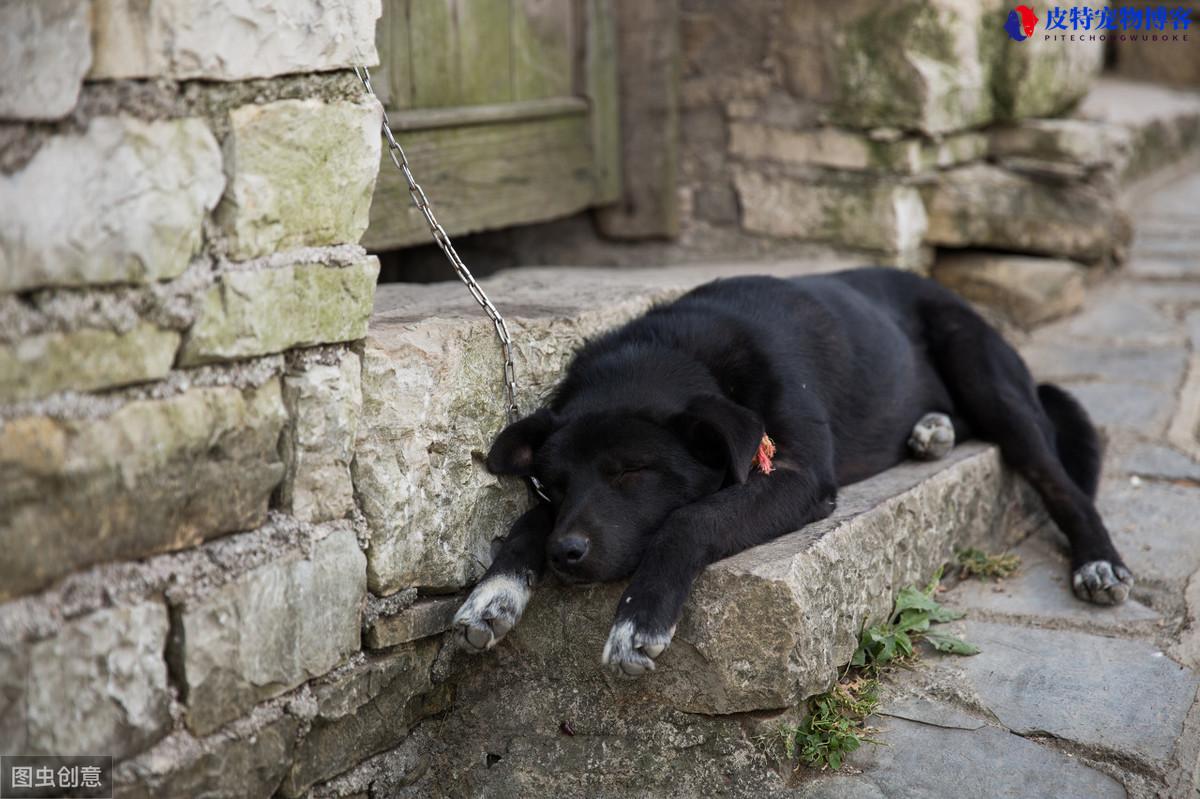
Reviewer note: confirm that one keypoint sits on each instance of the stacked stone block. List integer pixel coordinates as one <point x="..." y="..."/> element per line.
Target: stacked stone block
<point x="182" y="301"/>
<point x="895" y="131"/>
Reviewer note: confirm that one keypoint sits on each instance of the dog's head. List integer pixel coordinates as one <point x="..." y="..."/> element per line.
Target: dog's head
<point x="615" y="476"/>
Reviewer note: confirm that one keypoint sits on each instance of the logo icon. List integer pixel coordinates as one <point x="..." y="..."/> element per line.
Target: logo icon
<point x="1021" y="23"/>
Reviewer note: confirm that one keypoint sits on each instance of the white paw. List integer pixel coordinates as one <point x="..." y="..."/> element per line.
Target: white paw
<point x="490" y="611"/>
<point x="1101" y="582"/>
<point x="932" y="437"/>
<point x="631" y="651"/>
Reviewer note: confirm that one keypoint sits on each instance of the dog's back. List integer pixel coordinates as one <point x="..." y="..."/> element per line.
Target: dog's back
<point x="842" y="349"/>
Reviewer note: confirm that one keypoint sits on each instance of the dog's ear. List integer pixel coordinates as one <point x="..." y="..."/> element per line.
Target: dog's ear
<point x="721" y="433"/>
<point x="512" y="452"/>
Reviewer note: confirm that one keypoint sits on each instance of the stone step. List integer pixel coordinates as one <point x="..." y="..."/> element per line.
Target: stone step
<point x="1163" y="124"/>
<point x="762" y="630"/>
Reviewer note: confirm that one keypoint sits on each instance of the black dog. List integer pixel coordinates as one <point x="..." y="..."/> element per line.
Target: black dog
<point x="647" y="447"/>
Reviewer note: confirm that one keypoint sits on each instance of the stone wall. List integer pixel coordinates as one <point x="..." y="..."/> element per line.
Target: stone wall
<point x="891" y="128"/>
<point x="184" y="579"/>
<point x="906" y="133"/>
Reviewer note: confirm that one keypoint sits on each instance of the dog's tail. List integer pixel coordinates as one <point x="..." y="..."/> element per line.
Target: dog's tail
<point x="1076" y="440"/>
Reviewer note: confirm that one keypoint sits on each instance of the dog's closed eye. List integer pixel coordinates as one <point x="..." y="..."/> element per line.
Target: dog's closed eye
<point x="629" y="475"/>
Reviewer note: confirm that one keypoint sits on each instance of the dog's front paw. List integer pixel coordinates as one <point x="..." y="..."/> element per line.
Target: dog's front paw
<point x="932" y="437"/>
<point x="490" y="611"/>
<point x="1102" y="582"/>
<point x="631" y="649"/>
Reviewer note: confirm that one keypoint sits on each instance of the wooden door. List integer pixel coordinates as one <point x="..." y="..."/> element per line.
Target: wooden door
<point x="505" y="108"/>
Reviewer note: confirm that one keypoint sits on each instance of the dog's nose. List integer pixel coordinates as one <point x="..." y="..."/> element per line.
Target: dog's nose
<point x="570" y="549"/>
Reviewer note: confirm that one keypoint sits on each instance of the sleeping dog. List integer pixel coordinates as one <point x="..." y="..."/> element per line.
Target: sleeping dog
<point x="655" y="448"/>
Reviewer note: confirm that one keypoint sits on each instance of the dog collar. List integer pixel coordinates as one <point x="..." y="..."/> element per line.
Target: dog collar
<point x="766" y="451"/>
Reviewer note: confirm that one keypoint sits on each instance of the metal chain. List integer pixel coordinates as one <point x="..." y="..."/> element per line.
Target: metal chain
<point x="442" y="239"/>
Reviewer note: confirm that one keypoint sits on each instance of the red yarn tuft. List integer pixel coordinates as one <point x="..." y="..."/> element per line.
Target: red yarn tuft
<point x="766" y="451"/>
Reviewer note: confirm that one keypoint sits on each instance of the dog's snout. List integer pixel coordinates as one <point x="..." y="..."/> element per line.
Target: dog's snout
<point x="570" y="549"/>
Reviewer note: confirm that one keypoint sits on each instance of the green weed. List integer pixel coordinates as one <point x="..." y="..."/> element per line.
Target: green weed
<point x="835" y="725"/>
<point x="836" y="722"/>
<point x="977" y="563"/>
<point x="915" y="611"/>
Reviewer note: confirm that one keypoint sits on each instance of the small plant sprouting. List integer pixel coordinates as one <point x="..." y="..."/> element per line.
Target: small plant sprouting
<point x="977" y="563"/>
<point x="915" y="611"/>
<point x="835" y="725"/>
<point x="836" y="722"/>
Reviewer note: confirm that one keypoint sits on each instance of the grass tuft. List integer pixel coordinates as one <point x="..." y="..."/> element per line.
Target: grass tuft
<point x="977" y="563"/>
<point x="835" y="725"/>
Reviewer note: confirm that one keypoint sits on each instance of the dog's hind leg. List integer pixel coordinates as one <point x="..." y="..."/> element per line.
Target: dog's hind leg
<point x="499" y="598"/>
<point x="994" y="392"/>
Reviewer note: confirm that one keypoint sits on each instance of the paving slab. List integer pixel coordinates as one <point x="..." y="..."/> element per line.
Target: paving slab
<point x="1110" y="315"/>
<point x="1192" y="321"/>
<point x="1040" y="593"/>
<point x="925" y="761"/>
<point x="1105" y="694"/>
<point x="1160" y="461"/>
<point x="1071" y="361"/>
<point x="1161" y="268"/>
<point x="931" y="711"/>
<point x="1126" y="407"/>
<point x="1167" y="293"/>
<point x="1156" y="526"/>
<point x="1174" y="200"/>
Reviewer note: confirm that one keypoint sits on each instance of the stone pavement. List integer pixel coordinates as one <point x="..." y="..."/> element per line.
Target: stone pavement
<point x="1067" y="699"/>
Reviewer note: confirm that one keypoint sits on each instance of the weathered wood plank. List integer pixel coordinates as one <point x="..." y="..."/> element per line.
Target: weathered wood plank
<point x="484" y="50"/>
<point x="649" y="54"/>
<point x="600" y="89"/>
<point x="543" y="48"/>
<point x="393" y="80"/>
<point x="425" y="118"/>
<point x="486" y="176"/>
<point x="433" y="53"/>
